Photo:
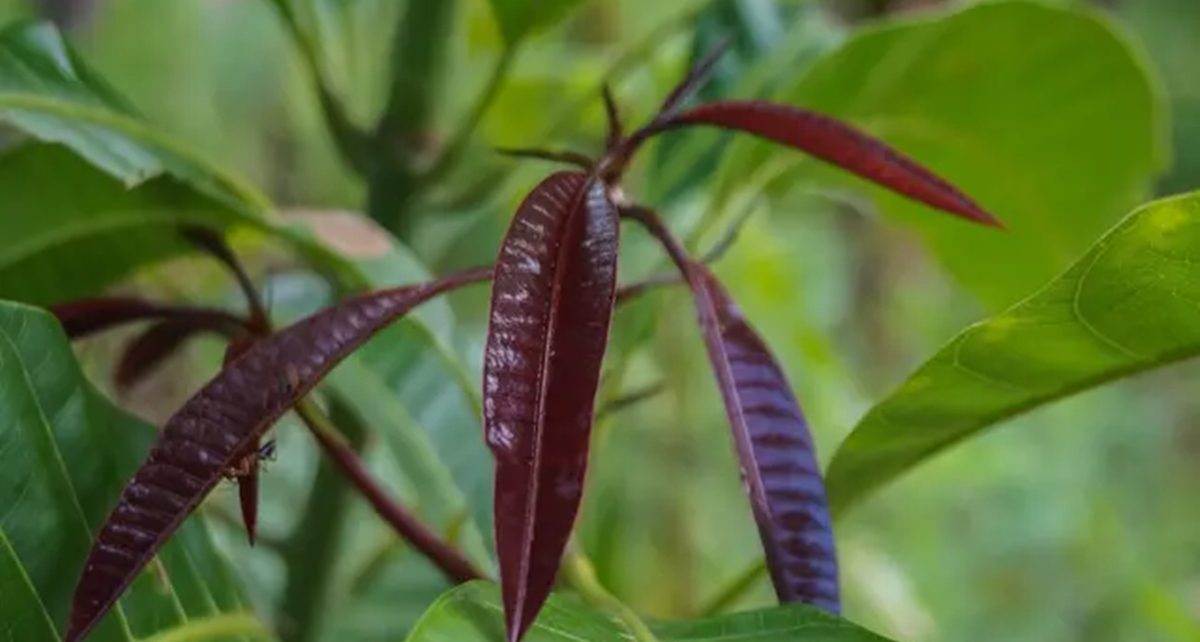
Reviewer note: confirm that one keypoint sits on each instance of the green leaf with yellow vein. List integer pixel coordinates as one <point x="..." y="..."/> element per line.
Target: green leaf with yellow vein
<point x="65" y="454"/>
<point x="1131" y="304"/>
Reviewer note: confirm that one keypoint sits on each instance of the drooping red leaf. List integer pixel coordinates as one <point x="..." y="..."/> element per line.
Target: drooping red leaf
<point x="218" y="424"/>
<point x="770" y="434"/>
<point x="838" y="143"/>
<point x="158" y="342"/>
<point x="84" y="317"/>
<point x="552" y="302"/>
<point x="775" y="448"/>
<point x="246" y="468"/>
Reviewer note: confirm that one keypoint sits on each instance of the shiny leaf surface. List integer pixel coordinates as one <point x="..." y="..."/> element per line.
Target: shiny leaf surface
<point x="217" y="425"/>
<point x="552" y="301"/>
<point x="840" y="144"/>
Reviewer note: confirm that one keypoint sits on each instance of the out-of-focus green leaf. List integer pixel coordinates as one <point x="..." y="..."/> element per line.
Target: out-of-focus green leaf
<point x="1131" y="304"/>
<point x="473" y="613"/>
<point x="1057" y="136"/>
<point x="520" y="18"/>
<point x="74" y="224"/>
<point x="65" y="454"/>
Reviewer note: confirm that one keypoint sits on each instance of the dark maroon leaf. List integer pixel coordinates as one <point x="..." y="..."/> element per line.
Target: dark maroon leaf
<point x="838" y="143"/>
<point x="246" y="468"/>
<point x="778" y="460"/>
<point x="83" y="317"/>
<point x="150" y="348"/>
<point x="218" y="425"/>
<point x="552" y="302"/>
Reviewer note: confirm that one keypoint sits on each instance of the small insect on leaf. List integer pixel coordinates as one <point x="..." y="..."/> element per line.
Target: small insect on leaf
<point x="217" y="426"/>
<point x="838" y="143"/>
<point x="552" y="302"/>
<point x="775" y="449"/>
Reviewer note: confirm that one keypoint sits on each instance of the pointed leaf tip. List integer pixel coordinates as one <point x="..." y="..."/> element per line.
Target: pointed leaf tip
<point x="220" y="423"/>
<point x="838" y="143"/>
<point x="775" y="449"/>
<point x="552" y="301"/>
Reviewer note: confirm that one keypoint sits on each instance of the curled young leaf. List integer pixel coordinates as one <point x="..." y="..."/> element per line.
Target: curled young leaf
<point x="552" y="302"/>
<point x="775" y="448"/>
<point x="218" y="425"/>
<point x="838" y="143"/>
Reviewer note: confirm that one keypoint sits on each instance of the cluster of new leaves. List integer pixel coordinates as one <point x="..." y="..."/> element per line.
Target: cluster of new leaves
<point x="553" y="295"/>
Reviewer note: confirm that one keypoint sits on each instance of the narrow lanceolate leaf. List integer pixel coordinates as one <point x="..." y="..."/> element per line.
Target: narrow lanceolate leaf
<point x="552" y="302"/>
<point x="838" y="143"/>
<point x="775" y="449"/>
<point x="218" y="425"/>
<point x="84" y="317"/>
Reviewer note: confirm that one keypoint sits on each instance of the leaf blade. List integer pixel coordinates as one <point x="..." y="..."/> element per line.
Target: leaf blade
<point x="775" y="448"/>
<point x="218" y="424"/>
<point x="1124" y="307"/>
<point x="839" y="144"/>
<point x="556" y="273"/>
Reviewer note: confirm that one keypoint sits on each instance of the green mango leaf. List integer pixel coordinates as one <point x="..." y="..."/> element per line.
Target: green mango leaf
<point x="521" y="18"/>
<point x="473" y="613"/>
<point x="91" y="192"/>
<point x="65" y="454"/>
<point x="1028" y="130"/>
<point x="1131" y="304"/>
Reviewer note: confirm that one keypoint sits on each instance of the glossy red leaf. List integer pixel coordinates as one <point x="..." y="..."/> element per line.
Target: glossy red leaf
<point x="775" y="449"/>
<point x="552" y="301"/>
<point x="838" y="143"/>
<point x="218" y="425"/>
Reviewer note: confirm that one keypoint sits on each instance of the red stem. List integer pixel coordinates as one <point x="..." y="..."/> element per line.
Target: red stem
<point x="445" y="556"/>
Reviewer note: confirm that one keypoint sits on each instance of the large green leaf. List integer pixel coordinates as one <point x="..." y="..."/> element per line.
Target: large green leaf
<point x="1132" y="303"/>
<point x="90" y="192"/>
<point x="521" y="18"/>
<point x="1058" y="136"/>
<point x="65" y="454"/>
<point x="473" y="613"/>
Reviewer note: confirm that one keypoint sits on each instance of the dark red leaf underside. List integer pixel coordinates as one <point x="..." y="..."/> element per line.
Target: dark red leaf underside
<point x="840" y="144"/>
<point x="217" y="425"/>
<point x="247" y="466"/>
<point x="84" y="317"/>
<point x="552" y="302"/>
<point x="775" y="449"/>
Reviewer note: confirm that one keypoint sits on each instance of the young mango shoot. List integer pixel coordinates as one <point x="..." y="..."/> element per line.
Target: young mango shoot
<point x="551" y="303"/>
<point x="553" y="296"/>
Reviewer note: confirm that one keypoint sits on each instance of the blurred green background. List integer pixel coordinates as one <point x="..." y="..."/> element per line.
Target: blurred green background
<point x="1077" y="522"/>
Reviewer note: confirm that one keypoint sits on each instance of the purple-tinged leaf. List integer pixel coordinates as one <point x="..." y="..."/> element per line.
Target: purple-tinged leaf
<point x="778" y="459"/>
<point x="218" y="425"/>
<point x="835" y="142"/>
<point x="552" y="301"/>
<point x="246" y="468"/>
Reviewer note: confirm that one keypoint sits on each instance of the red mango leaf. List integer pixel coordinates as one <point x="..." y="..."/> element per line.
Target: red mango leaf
<point x="552" y="301"/>
<point x="246" y="468"/>
<point x="775" y="450"/>
<point x="158" y="342"/>
<point x="835" y="142"/>
<point x="218" y="425"/>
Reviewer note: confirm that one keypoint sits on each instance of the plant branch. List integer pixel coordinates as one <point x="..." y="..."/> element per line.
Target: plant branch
<point x="447" y="558"/>
<point x="454" y="150"/>
<point x="351" y="142"/>
<point x="581" y="575"/>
